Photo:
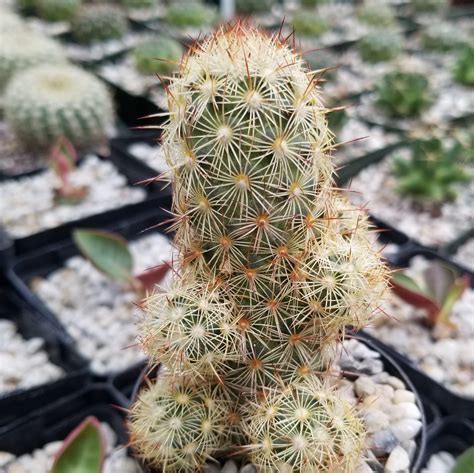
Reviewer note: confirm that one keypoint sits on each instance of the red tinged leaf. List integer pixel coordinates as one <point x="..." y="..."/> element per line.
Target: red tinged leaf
<point x="153" y="276"/>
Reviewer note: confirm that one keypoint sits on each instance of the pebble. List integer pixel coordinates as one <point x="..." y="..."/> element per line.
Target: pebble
<point x="383" y="442"/>
<point x="364" y="386"/>
<point x="100" y="314"/>
<point x="406" y="429"/>
<point x="403" y="395"/>
<point x="229" y="467"/>
<point x="441" y="462"/>
<point x="398" y="461"/>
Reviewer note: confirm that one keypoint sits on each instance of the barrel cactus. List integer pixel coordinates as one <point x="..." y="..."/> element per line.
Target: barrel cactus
<point x="49" y="101"/>
<point x="429" y="6"/>
<point x="58" y="10"/>
<point x="20" y="49"/>
<point x="273" y="265"/>
<point x="158" y="55"/>
<point x="403" y="94"/>
<point x="464" y="67"/>
<point x="193" y="13"/>
<point x="379" y="46"/>
<point x="139" y="4"/>
<point x="100" y="22"/>
<point x="254" y="6"/>
<point x="309" y="24"/>
<point x="376" y="13"/>
<point x="443" y="37"/>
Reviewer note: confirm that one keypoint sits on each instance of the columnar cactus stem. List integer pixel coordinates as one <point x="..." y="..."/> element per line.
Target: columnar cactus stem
<point x="273" y="263"/>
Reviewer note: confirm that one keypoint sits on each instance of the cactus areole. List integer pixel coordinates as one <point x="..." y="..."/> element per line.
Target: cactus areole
<point x="273" y="265"/>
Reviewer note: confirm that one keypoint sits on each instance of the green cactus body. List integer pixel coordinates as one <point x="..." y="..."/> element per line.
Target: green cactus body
<point x="429" y="6"/>
<point x="49" y="101"/>
<point x="432" y="172"/>
<point x="96" y="23"/>
<point x="27" y="7"/>
<point x="308" y="24"/>
<point x="403" y="94"/>
<point x="58" y="10"/>
<point x="379" y="46"/>
<point x="139" y="4"/>
<point x="377" y="14"/>
<point x="21" y="49"/>
<point x="312" y="3"/>
<point x="158" y="55"/>
<point x="443" y="37"/>
<point x="464" y="67"/>
<point x="248" y="7"/>
<point x="273" y="264"/>
<point x="191" y="13"/>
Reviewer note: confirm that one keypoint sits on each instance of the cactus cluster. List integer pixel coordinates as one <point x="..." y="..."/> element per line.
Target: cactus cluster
<point x="101" y="22"/>
<point x="248" y="7"/>
<point x="45" y="102"/>
<point x="403" y="94"/>
<point x="273" y="264"/>
<point x="309" y="24"/>
<point x="464" y="67"/>
<point x="193" y="13"/>
<point x="380" y="45"/>
<point x="158" y="55"/>
<point x="376" y="13"/>
<point x="429" y="6"/>
<point x="138" y="4"/>
<point x="443" y="37"/>
<point x="432" y="172"/>
<point x="21" y="48"/>
<point x="58" y="10"/>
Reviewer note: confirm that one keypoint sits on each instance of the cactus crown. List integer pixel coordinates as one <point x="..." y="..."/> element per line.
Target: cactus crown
<point x="464" y="67"/>
<point x="58" y="10"/>
<point x="432" y="172"/>
<point x="157" y="55"/>
<point x="403" y="94"/>
<point x="273" y="264"/>
<point x="380" y="45"/>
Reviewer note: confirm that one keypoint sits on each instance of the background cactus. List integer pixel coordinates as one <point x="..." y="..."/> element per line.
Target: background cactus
<point x="58" y="10"/>
<point x="49" y="101"/>
<point x="272" y="266"/>
<point x="157" y="55"/>
<point x="464" y="67"/>
<point x="309" y="24"/>
<point x="443" y="37"/>
<point x="380" y="45"/>
<point x="21" y="48"/>
<point x="99" y="22"/>
<point x="137" y="4"/>
<point x="254" y="6"/>
<point x="429" y="6"/>
<point x="376" y="13"/>
<point x="403" y="94"/>
<point x="193" y="13"/>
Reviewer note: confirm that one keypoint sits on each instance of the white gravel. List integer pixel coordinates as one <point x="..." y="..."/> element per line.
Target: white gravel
<point x="465" y="255"/>
<point x="376" y="185"/>
<point x="441" y="462"/>
<point x="23" y="363"/>
<point x="41" y="460"/>
<point x="27" y="205"/>
<point x="98" y="313"/>
<point x="448" y="360"/>
<point x="152" y="155"/>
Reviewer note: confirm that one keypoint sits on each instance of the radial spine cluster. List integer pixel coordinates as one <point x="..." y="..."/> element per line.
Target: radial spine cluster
<point x="273" y="264"/>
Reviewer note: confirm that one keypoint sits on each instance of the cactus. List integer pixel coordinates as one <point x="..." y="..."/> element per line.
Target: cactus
<point x="429" y="6"/>
<point x="159" y="55"/>
<point x="49" y="101"/>
<point x="273" y="264"/>
<point x="443" y="37"/>
<point x="379" y="46"/>
<point x="58" y="10"/>
<point x="464" y="67"/>
<point x="27" y="7"/>
<point x="312" y="3"/>
<point x="99" y="22"/>
<point x="138" y="4"/>
<point x="375" y="13"/>
<point x="432" y="172"/>
<point x="403" y="94"/>
<point x="308" y="24"/>
<point x="248" y="7"/>
<point x="194" y="13"/>
<point x="20" y="49"/>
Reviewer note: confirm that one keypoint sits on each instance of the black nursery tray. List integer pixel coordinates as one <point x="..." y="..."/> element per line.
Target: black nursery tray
<point x="446" y="400"/>
<point x="139" y="221"/>
<point x="31" y="323"/>
<point x="451" y="434"/>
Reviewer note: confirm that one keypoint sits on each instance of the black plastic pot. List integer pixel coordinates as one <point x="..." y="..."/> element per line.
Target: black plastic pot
<point x="451" y="434"/>
<point x="391" y="366"/>
<point x="446" y="400"/>
<point x="133" y="224"/>
<point x="57" y="420"/>
<point x="134" y="174"/>
<point x="31" y="324"/>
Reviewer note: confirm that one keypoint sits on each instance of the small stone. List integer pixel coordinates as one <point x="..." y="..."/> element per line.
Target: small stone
<point x="16" y="468"/>
<point x="398" y="461"/>
<point x="376" y="420"/>
<point x="403" y="395"/>
<point x="383" y="442"/>
<point x="6" y="457"/>
<point x="229" y="467"/>
<point x="364" y="387"/>
<point x="249" y="468"/>
<point x="441" y="462"/>
<point x="405" y="410"/>
<point x="211" y="468"/>
<point x="363" y="467"/>
<point x="395" y="382"/>
<point x="406" y="429"/>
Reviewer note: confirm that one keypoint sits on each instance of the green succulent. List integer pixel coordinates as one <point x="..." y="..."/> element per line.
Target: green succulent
<point x="138" y="4"/>
<point x="193" y="13"/>
<point x="100" y="22"/>
<point x="151" y="56"/>
<point x="312" y="3"/>
<point x="429" y="6"/>
<point x="58" y="10"/>
<point x="254" y="6"/>
<point x="46" y="102"/>
<point x="464" y="67"/>
<point x="21" y="49"/>
<point x="443" y="37"/>
<point x="403" y="94"/>
<point x="27" y="7"/>
<point x="432" y="172"/>
<point x="379" y="46"/>
<point x="377" y="14"/>
<point x="308" y="24"/>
